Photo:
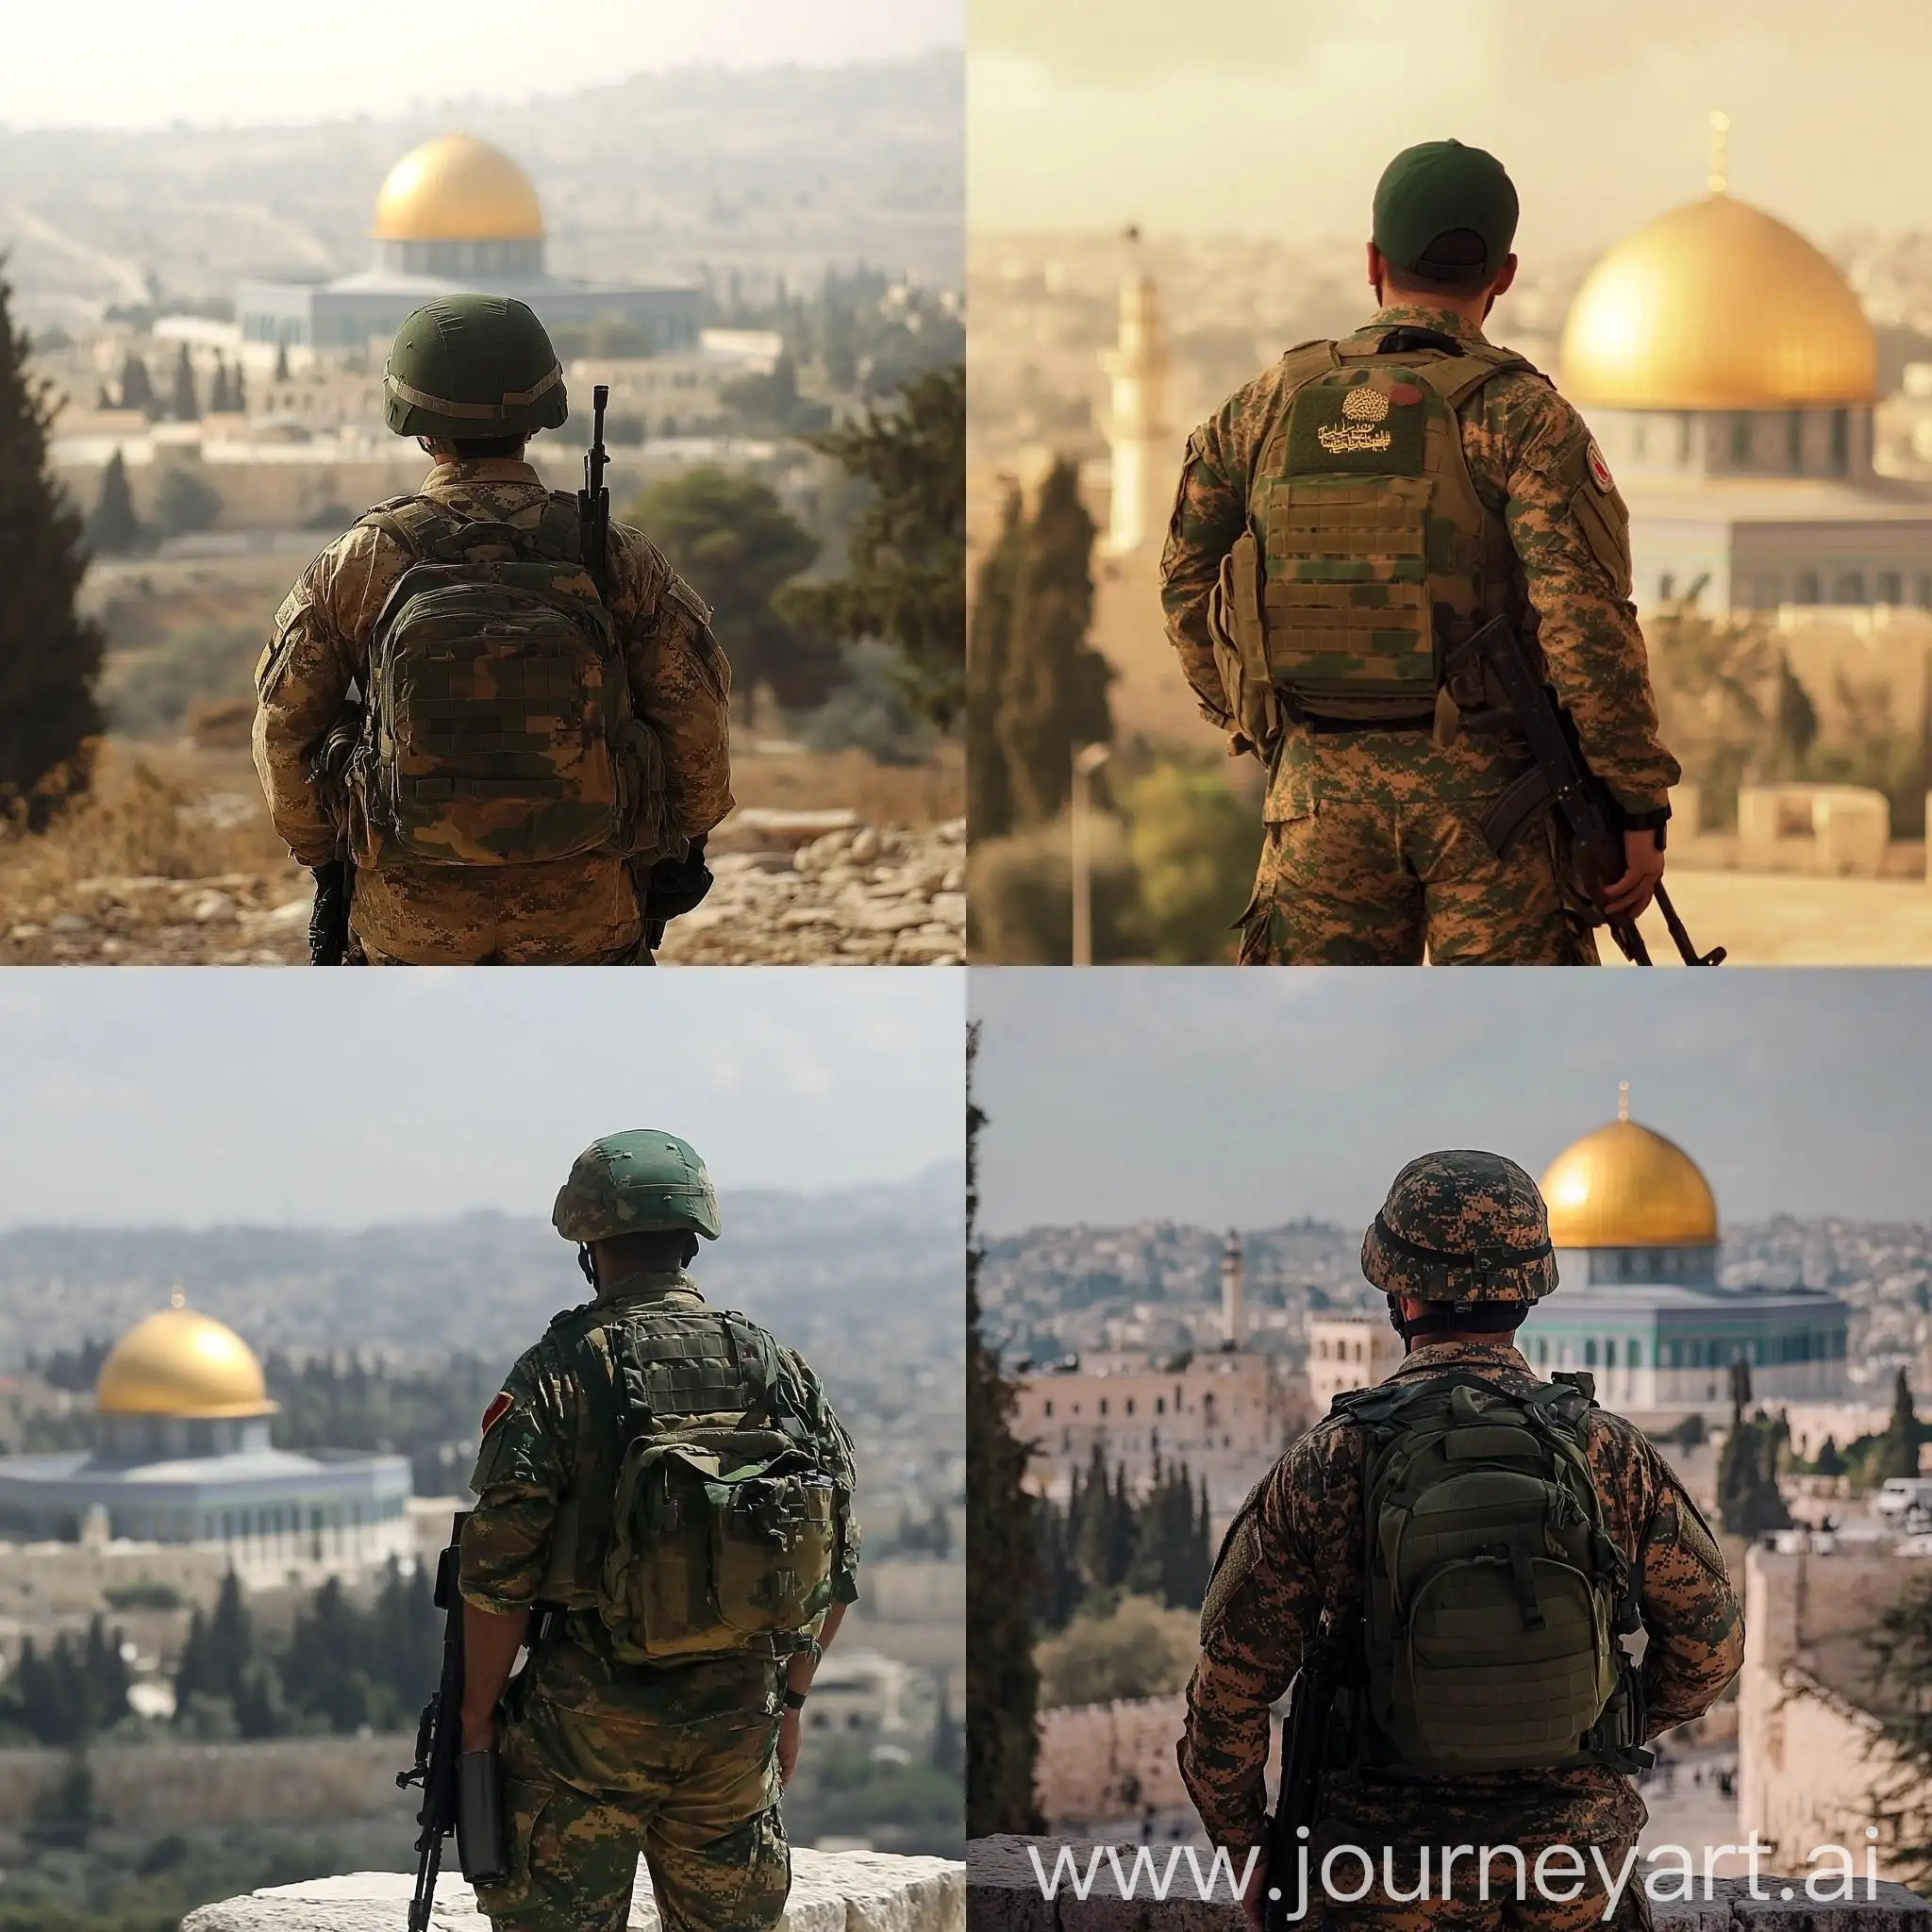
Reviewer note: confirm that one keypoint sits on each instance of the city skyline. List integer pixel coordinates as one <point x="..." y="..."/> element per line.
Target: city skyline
<point x="121" y="64"/>
<point x="1273" y="118"/>
<point x="1301" y="1094"/>
<point x="154" y="1097"/>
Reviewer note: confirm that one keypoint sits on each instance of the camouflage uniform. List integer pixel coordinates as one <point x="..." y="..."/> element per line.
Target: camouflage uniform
<point x="1300" y="1553"/>
<point x="603" y="1759"/>
<point x="574" y="910"/>
<point x="1371" y="845"/>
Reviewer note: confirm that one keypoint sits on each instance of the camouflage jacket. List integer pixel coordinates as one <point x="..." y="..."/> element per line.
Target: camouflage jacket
<point x="1300" y="1552"/>
<point x="1529" y="453"/>
<point x="680" y="683"/>
<point x="538" y="1447"/>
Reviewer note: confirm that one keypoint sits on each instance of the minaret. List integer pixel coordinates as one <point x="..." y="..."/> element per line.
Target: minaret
<point x="1137" y="430"/>
<point x="1234" y="1317"/>
<point x="1622" y="1100"/>
<point x="1720" y="180"/>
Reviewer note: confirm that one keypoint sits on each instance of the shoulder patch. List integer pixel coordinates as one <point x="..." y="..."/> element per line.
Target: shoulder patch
<point x="1599" y="469"/>
<point x="499" y="1407"/>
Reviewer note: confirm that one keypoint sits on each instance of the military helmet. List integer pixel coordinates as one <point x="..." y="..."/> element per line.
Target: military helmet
<point x="1461" y="1227"/>
<point x="642" y="1182"/>
<point x="473" y="366"/>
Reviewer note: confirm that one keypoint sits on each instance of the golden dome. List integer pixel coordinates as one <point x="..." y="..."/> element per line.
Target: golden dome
<point x="1625" y="1187"/>
<point x="457" y="189"/>
<point x="1716" y="306"/>
<point x="181" y="1363"/>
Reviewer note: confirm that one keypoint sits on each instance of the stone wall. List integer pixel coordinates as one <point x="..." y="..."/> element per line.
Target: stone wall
<point x="1005" y="1895"/>
<point x="831" y="1892"/>
<point x="1808" y="1755"/>
<point x="165" y="1787"/>
<point x="1115" y="1760"/>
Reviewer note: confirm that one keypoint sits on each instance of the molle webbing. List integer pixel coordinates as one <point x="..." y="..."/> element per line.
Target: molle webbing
<point x="1374" y="538"/>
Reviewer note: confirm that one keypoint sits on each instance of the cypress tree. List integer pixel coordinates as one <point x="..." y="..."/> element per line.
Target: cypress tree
<point x="137" y="387"/>
<point x="217" y="403"/>
<point x="1053" y="692"/>
<point x="989" y="792"/>
<point x="113" y="529"/>
<point x="281" y="362"/>
<point x="185" y="404"/>
<point x="49" y="655"/>
<point x="1001" y="1679"/>
<point x="1898" y="1448"/>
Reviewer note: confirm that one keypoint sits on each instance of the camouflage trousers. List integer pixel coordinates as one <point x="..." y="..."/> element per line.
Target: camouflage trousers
<point x="1352" y="882"/>
<point x="587" y="1793"/>
<point x="564" y="912"/>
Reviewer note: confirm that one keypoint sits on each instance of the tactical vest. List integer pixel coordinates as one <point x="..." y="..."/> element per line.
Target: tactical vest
<point x="497" y="725"/>
<point x="1493" y="1596"/>
<point x="1369" y="548"/>
<point x="703" y="1520"/>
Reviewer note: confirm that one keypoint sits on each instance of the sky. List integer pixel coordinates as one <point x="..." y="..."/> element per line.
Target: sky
<point x="1275" y="117"/>
<point x="1247" y="1099"/>
<point x="131" y="63"/>
<point x="190" y="1098"/>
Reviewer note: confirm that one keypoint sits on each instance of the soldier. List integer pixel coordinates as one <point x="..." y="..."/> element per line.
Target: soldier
<point x="660" y="1709"/>
<point x="542" y="738"/>
<point x="1342" y="525"/>
<point x="1488" y="1703"/>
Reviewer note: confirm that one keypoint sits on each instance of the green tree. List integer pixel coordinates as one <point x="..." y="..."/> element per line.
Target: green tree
<point x="137" y="387"/>
<point x="1194" y="846"/>
<point x="989" y="792"/>
<point x="1748" y="1498"/>
<point x="184" y="405"/>
<point x="50" y="657"/>
<point x="1898" y="1451"/>
<point x="1053" y="696"/>
<point x="1899" y="1645"/>
<point x="186" y="502"/>
<point x="1828" y="1461"/>
<point x="736" y="544"/>
<point x="113" y="529"/>
<point x="1002" y="1678"/>
<point x="281" y="362"/>
<point x="905" y="560"/>
<point x="1135" y="1648"/>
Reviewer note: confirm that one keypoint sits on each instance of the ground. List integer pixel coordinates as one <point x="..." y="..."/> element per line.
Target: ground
<point x="1789" y="919"/>
<point x="172" y="862"/>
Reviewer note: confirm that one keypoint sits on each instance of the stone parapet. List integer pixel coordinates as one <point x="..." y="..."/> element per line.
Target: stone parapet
<point x="1005" y="1895"/>
<point x="831" y="1892"/>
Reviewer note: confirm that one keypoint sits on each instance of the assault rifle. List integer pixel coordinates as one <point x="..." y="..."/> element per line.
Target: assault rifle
<point x="1562" y="780"/>
<point x="463" y="1790"/>
<point x="593" y="499"/>
<point x="1303" y="1752"/>
<point x="335" y="883"/>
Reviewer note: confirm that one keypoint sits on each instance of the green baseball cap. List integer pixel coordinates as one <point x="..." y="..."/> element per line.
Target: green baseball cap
<point x="1437" y="187"/>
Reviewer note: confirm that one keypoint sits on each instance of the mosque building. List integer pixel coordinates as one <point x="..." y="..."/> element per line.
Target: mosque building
<point x="456" y="216"/>
<point x="1639" y="1304"/>
<point x="1731" y="377"/>
<point x="181" y="1456"/>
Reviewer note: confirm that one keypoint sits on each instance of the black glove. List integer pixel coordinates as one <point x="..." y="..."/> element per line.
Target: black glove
<point x="329" y="922"/>
<point x="673" y="886"/>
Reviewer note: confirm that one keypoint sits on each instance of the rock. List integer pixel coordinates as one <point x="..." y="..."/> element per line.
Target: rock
<point x="291" y="912"/>
<point x="896" y="917"/>
<point x="26" y="930"/>
<point x="213" y="908"/>
<point x="955" y="880"/>
<point x="68" y="925"/>
<point x="831" y="1892"/>
<point x="951" y="907"/>
<point x="755" y="826"/>
<point x="866" y="846"/>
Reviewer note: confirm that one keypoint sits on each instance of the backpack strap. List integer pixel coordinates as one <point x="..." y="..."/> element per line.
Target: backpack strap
<point x="414" y="523"/>
<point x="758" y="1358"/>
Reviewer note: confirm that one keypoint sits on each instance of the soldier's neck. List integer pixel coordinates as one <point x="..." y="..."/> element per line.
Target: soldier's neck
<point x="646" y="1285"/>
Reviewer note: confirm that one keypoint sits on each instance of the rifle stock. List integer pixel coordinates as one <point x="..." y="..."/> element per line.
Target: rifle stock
<point x="593" y="500"/>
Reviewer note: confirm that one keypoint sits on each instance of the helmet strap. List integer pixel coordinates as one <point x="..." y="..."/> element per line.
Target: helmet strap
<point x="586" y="1263"/>
<point x="1444" y="1318"/>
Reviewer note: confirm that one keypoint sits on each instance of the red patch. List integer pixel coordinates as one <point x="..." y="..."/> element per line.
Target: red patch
<point x="1404" y="393"/>
<point x="496" y="1411"/>
<point x="1600" y="471"/>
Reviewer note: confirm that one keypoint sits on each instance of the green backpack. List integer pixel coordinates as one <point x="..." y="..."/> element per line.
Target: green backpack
<point x="1494" y="1595"/>
<point x="711" y="1524"/>
<point x="497" y="727"/>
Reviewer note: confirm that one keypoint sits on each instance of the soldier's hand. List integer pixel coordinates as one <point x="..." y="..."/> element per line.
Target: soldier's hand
<point x="1255" y="1897"/>
<point x="479" y="1734"/>
<point x="789" y="1733"/>
<point x="1643" y="866"/>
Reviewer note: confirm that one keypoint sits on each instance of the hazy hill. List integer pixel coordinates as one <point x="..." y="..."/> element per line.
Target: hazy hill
<point x="783" y="170"/>
<point x="882" y="1263"/>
